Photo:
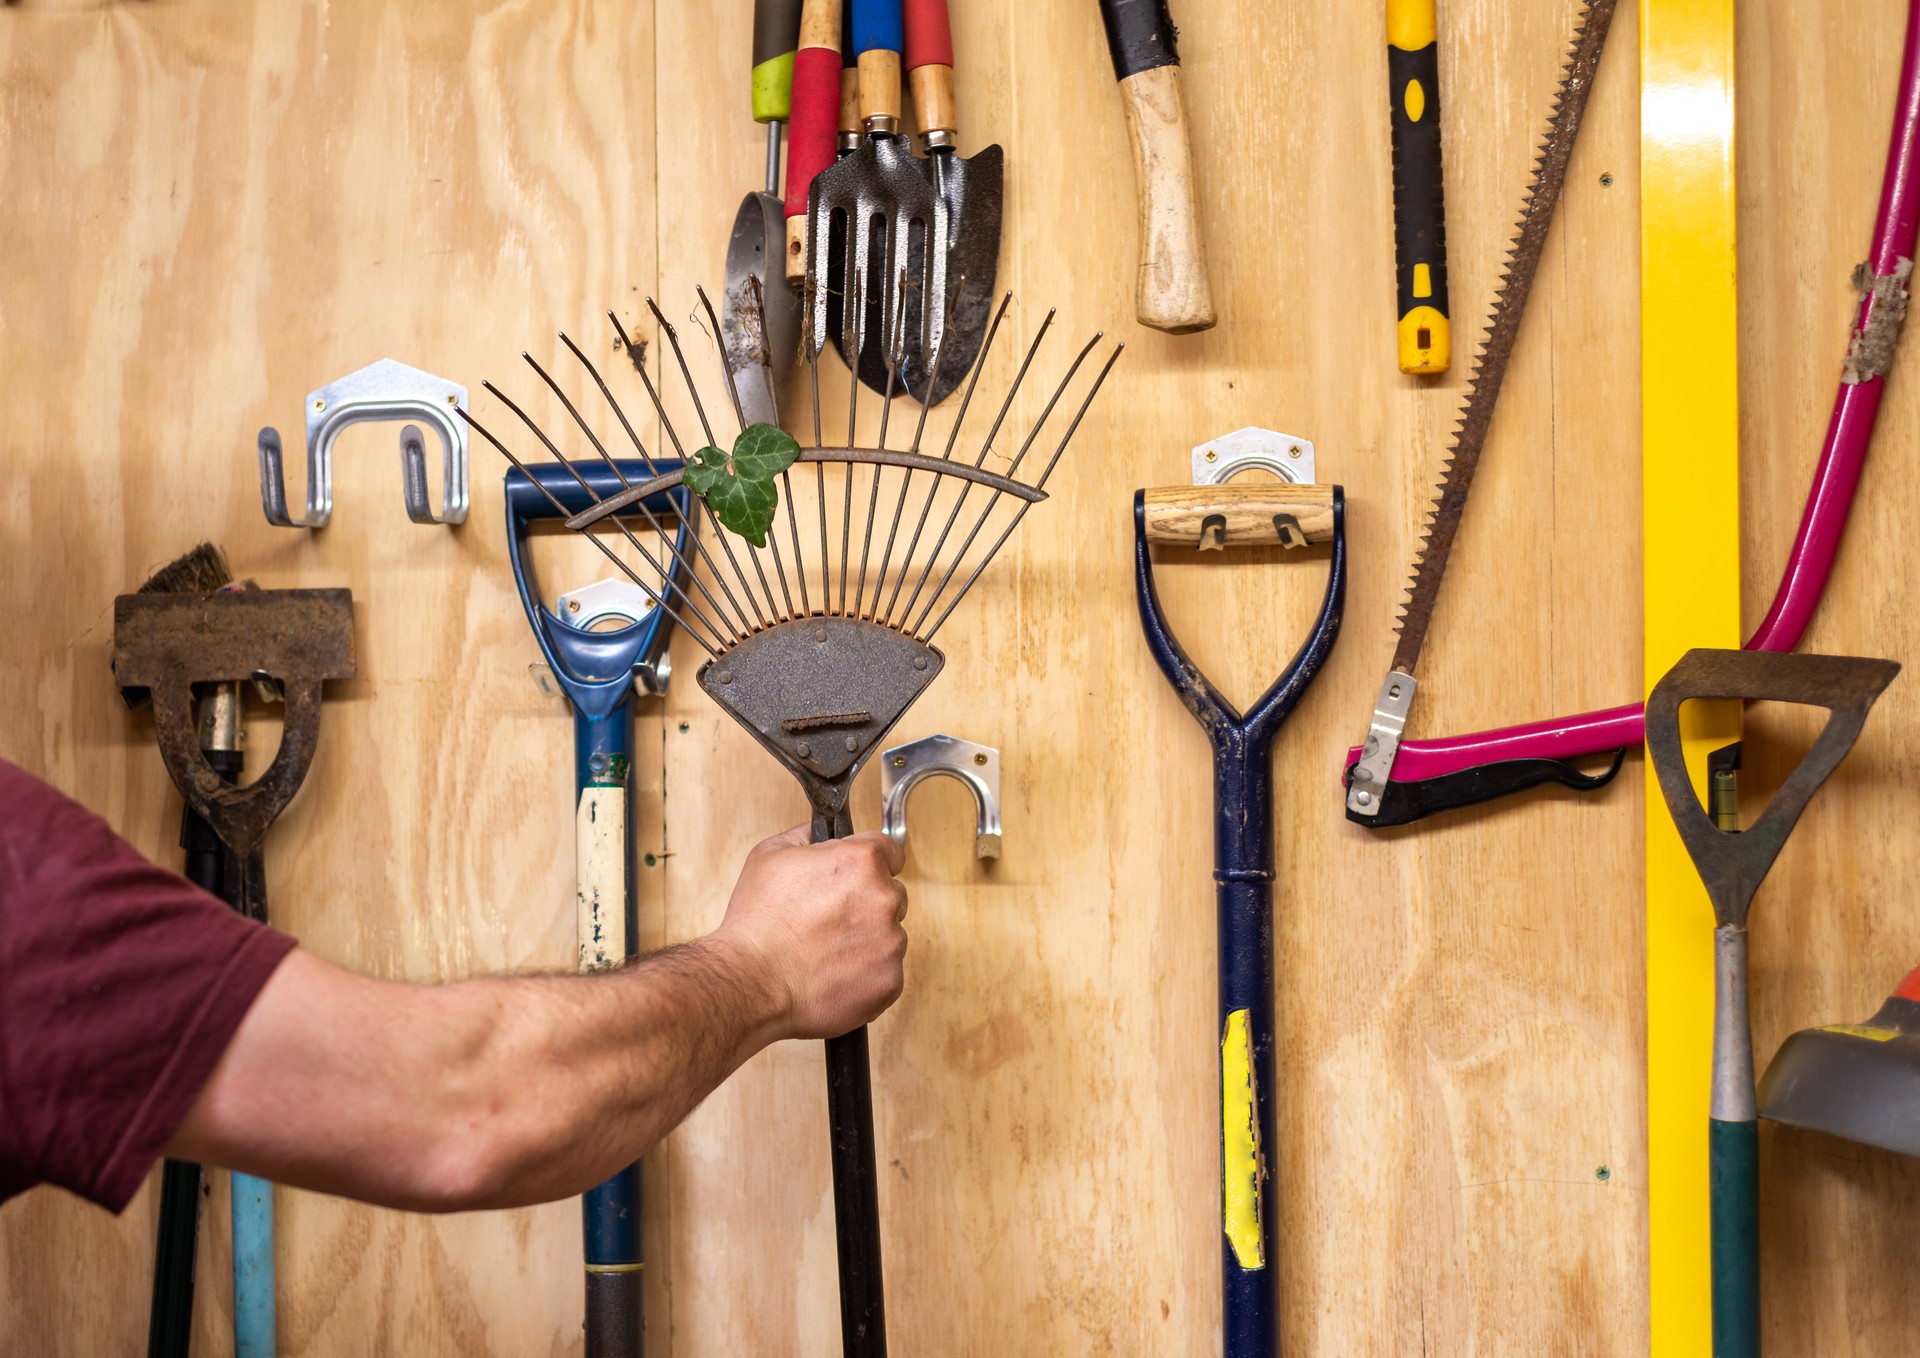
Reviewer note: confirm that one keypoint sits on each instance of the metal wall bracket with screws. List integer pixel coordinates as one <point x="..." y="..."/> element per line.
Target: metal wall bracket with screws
<point x="978" y="766"/>
<point x="387" y="390"/>
<point x="1219" y="460"/>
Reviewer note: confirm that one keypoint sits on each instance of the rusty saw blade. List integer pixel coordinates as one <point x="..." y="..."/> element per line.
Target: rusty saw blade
<point x="1370" y="775"/>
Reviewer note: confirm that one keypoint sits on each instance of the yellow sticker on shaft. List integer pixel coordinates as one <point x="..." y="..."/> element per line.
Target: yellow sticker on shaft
<point x="1872" y="1034"/>
<point x="1241" y="1167"/>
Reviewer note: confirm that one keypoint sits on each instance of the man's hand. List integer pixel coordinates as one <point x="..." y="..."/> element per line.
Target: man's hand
<point x="824" y="920"/>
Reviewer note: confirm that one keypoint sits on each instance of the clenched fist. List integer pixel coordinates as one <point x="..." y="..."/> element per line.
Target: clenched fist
<point x="825" y="921"/>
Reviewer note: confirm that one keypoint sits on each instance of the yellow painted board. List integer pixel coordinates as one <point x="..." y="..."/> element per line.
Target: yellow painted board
<point x="1690" y="512"/>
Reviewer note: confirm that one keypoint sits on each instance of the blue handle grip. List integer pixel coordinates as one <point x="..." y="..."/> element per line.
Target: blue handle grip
<point x="253" y="1309"/>
<point x="877" y="25"/>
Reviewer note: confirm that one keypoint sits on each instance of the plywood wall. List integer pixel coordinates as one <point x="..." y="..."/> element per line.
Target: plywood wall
<point x="211" y="209"/>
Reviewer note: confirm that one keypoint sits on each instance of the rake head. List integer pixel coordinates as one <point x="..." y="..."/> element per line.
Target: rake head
<point x="818" y="641"/>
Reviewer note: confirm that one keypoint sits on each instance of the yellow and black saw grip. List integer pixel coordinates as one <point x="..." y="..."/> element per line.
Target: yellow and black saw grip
<point x="1419" y="198"/>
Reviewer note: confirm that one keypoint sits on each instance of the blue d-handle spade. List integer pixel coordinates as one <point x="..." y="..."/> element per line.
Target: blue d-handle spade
<point x="1243" y="872"/>
<point x="599" y="671"/>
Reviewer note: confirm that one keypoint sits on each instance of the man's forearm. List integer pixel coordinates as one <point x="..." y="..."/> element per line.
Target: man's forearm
<point x="580" y="1092"/>
<point x="485" y="1093"/>
<point x="494" y="1093"/>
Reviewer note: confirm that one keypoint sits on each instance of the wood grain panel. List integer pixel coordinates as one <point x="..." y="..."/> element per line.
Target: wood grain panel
<point x="212" y="210"/>
<point x="1833" y="928"/>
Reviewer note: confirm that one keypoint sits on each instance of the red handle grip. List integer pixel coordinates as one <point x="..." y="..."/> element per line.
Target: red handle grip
<point x="814" y="123"/>
<point x="929" y="36"/>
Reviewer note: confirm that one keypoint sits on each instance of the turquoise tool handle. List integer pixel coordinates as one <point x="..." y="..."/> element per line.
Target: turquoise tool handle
<point x="1733" y="1178"/>
<point x="253" y="1318"/>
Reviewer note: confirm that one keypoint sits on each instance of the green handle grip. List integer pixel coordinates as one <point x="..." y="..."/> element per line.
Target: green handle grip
<point x="776" y="33"/>
<point x="1733" y="1178"/>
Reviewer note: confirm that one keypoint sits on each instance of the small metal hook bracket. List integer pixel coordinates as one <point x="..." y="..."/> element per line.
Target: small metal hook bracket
<point x="978" y="766"/>
<point x="387" y="390"/>
<point x="1287" y="457"/>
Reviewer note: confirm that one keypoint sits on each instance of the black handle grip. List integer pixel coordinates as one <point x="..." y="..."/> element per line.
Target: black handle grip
<point x="170" y="1321"/>
<point x="1419" y="210"/>
<point x="1405" y="802"/>
<point x="776" y="29"/>
<point x="1140" y="35"/>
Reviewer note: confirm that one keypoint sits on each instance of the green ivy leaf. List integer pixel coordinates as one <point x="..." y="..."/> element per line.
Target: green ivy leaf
<point x="738" y="486"/>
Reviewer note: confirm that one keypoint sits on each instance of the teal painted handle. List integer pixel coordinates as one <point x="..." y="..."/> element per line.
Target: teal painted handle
<point x="1733" y="1177"/>
<point x="253" y="1317"/>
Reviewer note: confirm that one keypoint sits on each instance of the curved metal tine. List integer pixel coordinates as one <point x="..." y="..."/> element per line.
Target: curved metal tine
<point x="813" y="345"/>
<point x="1025" y="505"/>
<point x="853" y="298"/>
<point x="933" y="556"/>
<point x="759" y="296"/>
<point x="699" y="409"/>
<point x="720" y="577"/>
<point x="740" y="415"/>
<point x="273" y="485"/>
<point x="946" y="455"/>
<point x="667" y="540"/>
<point x="666" y="575"/>
<point x="680" y="451"/>
<point x="607" y="551"/>
<point x="699" y="547"/>
<point x="900" y="504"/>
<point x="896" y="346"/>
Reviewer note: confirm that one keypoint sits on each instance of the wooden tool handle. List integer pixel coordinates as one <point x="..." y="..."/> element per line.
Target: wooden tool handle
<point x="1419" y="202"/>
<point x="1172" y="294"/>
<point x="776" y="24"/>
<point x="1266" y="514"/>
<point x="929" y="53"/>
<point x="810" y="133"/>
<point x="877" y="40"/>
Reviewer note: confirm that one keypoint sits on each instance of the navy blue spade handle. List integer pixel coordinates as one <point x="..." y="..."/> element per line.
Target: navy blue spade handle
<point x="596" y="671"/>
<point x="1243" y="868"/>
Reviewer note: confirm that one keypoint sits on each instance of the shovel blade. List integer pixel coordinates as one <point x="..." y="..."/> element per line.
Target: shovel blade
<point x="973" y="189"/>
<point x="760" y="317"/>
<point x="1860" y="1081"/>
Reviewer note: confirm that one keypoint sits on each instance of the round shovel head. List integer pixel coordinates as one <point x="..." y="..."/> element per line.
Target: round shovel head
<point x="762" y="333"/>
<point x="1858" y="1081"/>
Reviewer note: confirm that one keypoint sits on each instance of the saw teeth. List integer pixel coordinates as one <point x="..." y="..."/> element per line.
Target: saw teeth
<point x="1566" y="110"/>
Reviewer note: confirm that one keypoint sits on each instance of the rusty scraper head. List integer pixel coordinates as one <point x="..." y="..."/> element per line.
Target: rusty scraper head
<point x="165" y="644"/>
<point x="1733" y="863"/>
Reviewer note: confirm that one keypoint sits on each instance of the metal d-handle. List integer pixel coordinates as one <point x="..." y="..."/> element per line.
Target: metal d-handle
<point x="1221" y="718"/>
<point x="978" y="766"/>
<point x="387" y="390"/>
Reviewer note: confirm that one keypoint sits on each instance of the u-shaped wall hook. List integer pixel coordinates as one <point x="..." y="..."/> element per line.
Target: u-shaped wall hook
<point x="978" y="766"/>
<point x="387" y="390"/>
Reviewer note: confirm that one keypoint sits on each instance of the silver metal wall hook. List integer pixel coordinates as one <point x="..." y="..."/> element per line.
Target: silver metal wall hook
<point x="1287" y="457"/>
<point x="387" y="390"/>
<point x="978" y="766"/>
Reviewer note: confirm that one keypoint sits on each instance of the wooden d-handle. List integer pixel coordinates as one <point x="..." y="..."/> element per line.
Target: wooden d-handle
<point x="1268" y="514"/>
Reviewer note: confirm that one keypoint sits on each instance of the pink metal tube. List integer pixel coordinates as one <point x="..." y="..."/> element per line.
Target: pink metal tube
<point x="1836" y="479"/>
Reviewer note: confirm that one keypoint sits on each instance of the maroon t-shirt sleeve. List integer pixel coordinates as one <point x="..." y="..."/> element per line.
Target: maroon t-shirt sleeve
<point x="120" y="986"/>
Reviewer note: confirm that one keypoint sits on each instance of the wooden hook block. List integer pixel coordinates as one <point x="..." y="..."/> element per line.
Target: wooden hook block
<point x="1208" y="518"/>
